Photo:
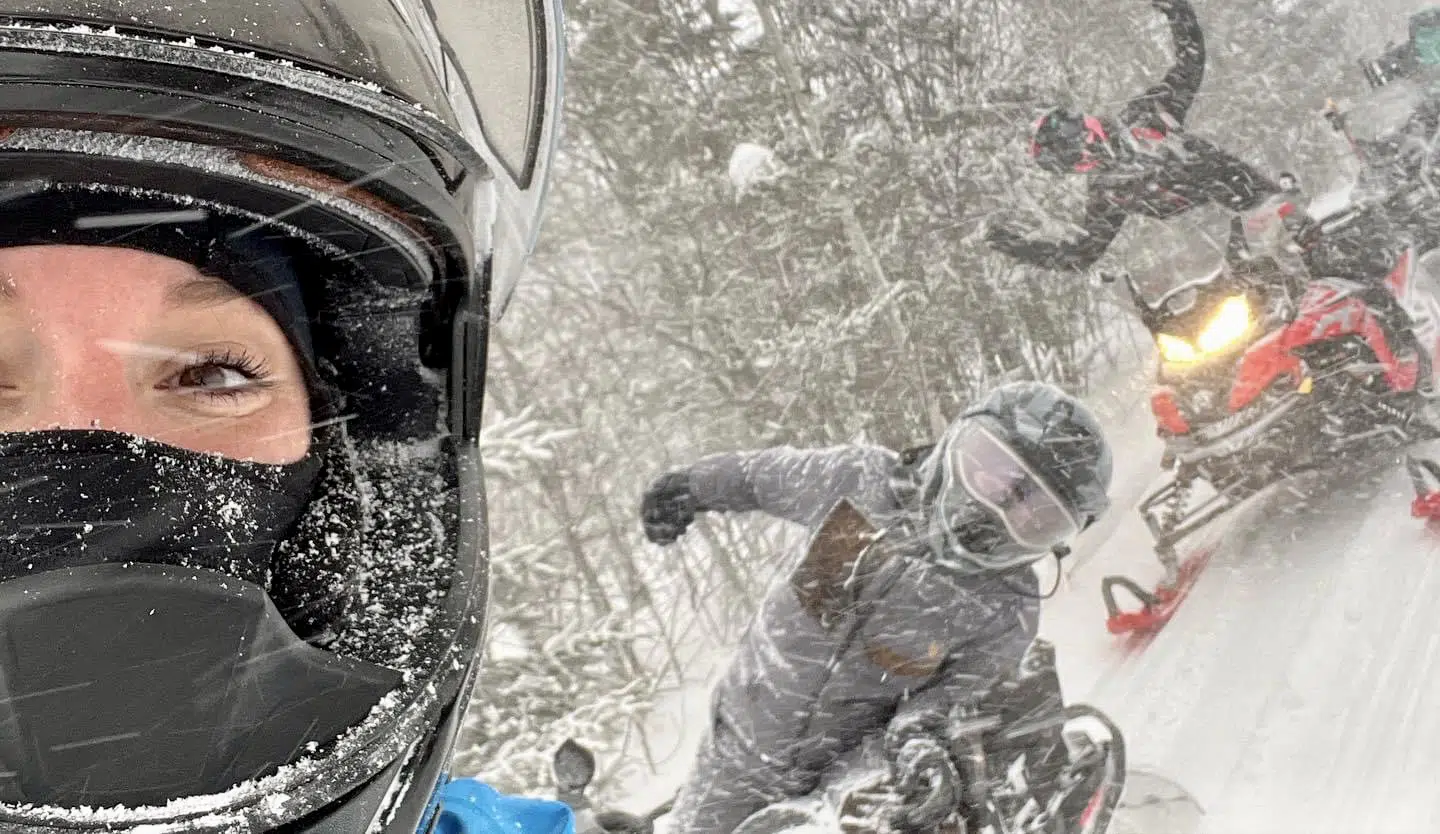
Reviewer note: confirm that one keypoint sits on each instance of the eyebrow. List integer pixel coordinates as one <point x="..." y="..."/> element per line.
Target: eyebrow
<point x="200" y="292"/>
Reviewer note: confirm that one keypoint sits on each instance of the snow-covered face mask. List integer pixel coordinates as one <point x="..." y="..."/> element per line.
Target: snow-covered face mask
<point x="72" y="498"/>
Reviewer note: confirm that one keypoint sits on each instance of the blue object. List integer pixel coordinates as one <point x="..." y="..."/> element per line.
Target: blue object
<point x="467" y="806"/>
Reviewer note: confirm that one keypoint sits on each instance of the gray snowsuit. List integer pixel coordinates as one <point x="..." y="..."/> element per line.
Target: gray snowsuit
<point x="803" y="690"/>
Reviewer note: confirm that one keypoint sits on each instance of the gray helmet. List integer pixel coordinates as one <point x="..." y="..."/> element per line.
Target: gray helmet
<point x="1016" y="475"/>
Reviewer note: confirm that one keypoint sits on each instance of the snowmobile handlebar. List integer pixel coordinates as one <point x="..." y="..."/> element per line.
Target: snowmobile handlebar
<point x="619" y="822"/>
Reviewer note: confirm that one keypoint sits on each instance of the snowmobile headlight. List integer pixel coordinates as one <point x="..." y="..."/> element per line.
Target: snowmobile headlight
<point x="1229" y="325"/>
<point x="1175" y="349"/>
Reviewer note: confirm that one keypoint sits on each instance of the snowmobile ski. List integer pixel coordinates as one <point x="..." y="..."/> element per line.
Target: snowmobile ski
<point x="1157" y="606"/>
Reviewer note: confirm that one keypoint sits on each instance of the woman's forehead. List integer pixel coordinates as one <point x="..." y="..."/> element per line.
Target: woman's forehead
<point x="107" y="272"/>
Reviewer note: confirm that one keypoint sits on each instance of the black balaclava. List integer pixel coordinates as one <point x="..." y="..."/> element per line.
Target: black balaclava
<point x="72" y="498"/>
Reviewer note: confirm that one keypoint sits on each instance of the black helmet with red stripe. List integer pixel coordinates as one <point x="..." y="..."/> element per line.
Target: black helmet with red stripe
<point x="1066" y="142"/>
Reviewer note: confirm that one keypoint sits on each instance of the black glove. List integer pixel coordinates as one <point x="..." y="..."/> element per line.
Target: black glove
<point x="1302" y="228"/>
<point x="922" y="772"/>
<point x="667" y="508"/>
<point x="928" y="784"/>
<point x="619" y="822"/>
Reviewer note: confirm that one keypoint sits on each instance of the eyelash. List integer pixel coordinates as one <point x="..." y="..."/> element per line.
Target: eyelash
<point x="251" y="367"/>
<point x="241" y="362"/>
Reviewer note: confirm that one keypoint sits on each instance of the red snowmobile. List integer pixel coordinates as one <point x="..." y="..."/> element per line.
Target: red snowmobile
<point x="1266" y="373"/>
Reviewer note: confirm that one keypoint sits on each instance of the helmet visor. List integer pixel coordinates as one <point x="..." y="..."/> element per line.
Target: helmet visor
<point x="993" y="474"/>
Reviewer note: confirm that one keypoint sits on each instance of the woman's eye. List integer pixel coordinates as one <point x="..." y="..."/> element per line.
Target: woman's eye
<point x="213" y="377"/>
<point x="227" y="374"/>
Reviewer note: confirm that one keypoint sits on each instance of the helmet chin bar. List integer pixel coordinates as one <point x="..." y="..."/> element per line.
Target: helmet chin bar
<point x="136" y="684"/>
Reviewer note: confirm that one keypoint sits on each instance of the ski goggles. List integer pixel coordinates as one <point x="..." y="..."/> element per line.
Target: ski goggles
<point x="993" y="474"/>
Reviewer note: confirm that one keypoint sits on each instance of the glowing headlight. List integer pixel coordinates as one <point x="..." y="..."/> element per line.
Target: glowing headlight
<point x="1173" y="349"/>
<point x="1230" y="324"/>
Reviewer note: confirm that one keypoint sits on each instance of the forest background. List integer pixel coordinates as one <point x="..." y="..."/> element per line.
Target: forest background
<point x="766" y="228"/>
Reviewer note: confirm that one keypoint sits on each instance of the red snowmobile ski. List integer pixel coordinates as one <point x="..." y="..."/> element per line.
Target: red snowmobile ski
<point x="1158" y="606"/>
<point x="1266" y="374"/>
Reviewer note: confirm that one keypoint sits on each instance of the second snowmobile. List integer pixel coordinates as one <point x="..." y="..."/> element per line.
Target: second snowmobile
<point x="1267" y="372"/>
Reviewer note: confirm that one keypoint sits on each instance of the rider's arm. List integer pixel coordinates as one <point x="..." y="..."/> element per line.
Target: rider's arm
<point x="799" y="485"/>
<point x="1176" y="92"/>
<point x="1103" y="221"/>
<point x="1228" y="180"/>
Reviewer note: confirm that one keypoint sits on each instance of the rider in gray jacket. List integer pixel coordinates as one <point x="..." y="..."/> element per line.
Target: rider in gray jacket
<point x="949" y="609"/>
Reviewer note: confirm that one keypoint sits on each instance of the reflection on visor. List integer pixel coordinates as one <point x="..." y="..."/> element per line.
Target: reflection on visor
<point x="992" y="474"/>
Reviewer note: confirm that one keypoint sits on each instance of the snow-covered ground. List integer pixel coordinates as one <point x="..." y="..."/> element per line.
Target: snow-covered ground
<point x="1297" y="689"/>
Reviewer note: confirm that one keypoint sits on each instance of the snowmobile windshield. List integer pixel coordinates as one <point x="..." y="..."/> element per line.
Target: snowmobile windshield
<point x="1427" y="45"/>
<point x="1385" y="112"/>
<point x="993" y="474"/>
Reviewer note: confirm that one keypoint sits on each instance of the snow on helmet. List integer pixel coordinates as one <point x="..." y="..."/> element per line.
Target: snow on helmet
<point x="1065" y="142"/>
<point x="398" y="179"/>
<point x="1016" y="475"/>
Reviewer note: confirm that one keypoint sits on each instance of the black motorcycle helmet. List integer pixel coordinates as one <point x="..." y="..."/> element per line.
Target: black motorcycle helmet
<point x="1016" y="475"/>
<point x="392" y="180"/>
<point x="1065" y="142"/>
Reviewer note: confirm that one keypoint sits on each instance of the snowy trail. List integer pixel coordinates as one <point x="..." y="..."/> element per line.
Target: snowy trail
<point x="1296" y="690"/>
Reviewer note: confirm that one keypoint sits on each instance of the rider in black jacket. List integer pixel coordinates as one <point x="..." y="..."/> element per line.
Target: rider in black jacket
<point x="1143" y="162"/>
<point x="1139" y="162"/>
